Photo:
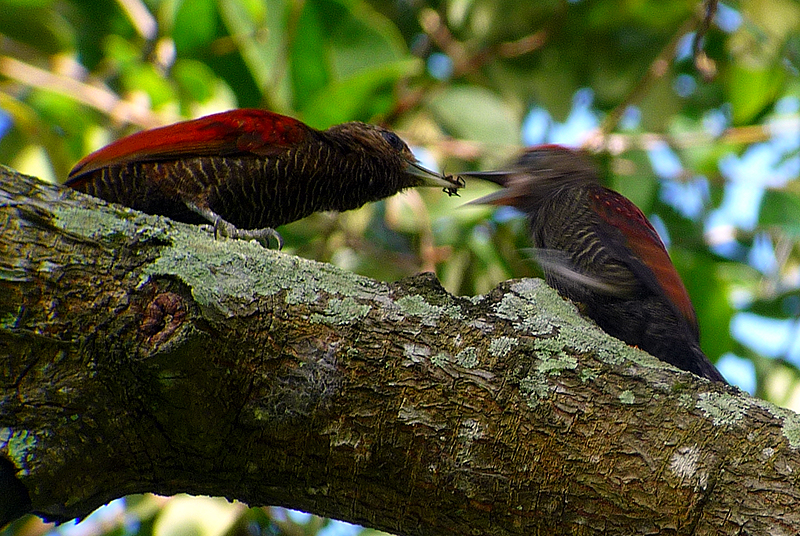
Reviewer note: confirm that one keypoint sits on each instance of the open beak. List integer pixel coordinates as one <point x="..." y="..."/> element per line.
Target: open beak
<point x="498" y="177"/>
<point x="508" y="196"/>
<point x="450" y="183"/>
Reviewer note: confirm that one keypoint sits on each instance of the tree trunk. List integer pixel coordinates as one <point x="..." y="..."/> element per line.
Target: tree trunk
<point x="142" y="355"/>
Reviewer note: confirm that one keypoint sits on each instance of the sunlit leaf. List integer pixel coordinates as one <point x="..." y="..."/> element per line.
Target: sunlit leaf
<point x="359" y="97"/>
<point x="752" y="90"/>
<point x="360" y="38"/>
<point x="146" y="78"/>
<point x="195" y="79"/>
<point x="121" y="51"/>
<point x="475" y="113"/>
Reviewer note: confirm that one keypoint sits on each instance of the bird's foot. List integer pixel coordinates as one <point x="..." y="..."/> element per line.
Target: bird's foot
<point x="262" y="236"/>
<point x="227" y="229"/>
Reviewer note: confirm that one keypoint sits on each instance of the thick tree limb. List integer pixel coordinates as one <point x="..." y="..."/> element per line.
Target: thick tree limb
<point x="137" y="354"/>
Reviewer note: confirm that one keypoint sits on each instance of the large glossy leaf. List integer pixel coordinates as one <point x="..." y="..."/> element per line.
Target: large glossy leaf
<point x="197" y="85"/>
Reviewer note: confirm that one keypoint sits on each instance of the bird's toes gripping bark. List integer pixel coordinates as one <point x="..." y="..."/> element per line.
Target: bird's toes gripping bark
<point x="225" y="228"/>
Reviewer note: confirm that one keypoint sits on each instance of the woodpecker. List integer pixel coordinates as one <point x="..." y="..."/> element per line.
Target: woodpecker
<point x="248" y="171"/>
<point x="597" y="248"/>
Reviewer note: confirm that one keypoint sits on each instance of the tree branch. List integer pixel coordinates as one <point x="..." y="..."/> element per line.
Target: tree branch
<point x="138" y="354"/>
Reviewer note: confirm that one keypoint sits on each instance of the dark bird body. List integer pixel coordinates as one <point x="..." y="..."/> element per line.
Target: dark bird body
<point x="598" y="249"/>
<point x="252" y="169"/>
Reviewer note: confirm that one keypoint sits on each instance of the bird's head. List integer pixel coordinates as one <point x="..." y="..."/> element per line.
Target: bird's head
<point x="535" y="175"/>
<point x="387" y="160"/>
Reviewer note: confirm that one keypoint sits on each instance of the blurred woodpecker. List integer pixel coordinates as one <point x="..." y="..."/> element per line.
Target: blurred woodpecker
<point x="598" y="249"/>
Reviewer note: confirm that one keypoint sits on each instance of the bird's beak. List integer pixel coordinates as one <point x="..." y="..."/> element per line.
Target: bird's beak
<point x="508" y="196"/>
<point x="498" y="177"/>
<point x="498" y="198"/>
<point x="450" y="183"/>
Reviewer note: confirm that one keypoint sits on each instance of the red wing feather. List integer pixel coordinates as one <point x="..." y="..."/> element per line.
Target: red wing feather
<point x="643" y="241"/>
<point x="228" y="133"/>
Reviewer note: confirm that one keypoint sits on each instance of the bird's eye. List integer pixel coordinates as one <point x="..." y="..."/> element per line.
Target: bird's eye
<point x="394" y="140"/>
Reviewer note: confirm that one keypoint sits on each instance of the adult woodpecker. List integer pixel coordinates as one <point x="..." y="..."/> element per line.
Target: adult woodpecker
<point x="248" y="171"/>
<point x="598" y="249"/>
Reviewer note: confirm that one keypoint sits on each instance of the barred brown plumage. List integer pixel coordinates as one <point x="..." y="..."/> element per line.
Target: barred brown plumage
<point x="248" y="171"/>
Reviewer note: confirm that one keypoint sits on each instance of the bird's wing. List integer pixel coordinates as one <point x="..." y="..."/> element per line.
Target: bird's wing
<point x="240" y="131"/>
<point x="637" y="243"/>
<point x="559" y="265"/>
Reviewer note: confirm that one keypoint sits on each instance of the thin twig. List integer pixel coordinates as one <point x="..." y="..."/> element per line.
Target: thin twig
<point x="141" y="18"/>
<point x="617" y="143"/>
<point x="464" y="62"/>
<point x="744" y="135"/>
<point x="704" y="65"/>
<point x="658" y="68"/>
<point x="99" y="98"/>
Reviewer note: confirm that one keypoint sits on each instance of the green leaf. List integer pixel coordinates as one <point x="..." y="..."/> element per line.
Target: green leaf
<point x="121" y="51"/>
<point x="784" y="305"/>
<point x="340" y="45"/>
<point x="360" y="38"/>
<point x="475" y="113"/>
<point x="195" y="25"/>
<point x="781" y="209"/>
<point x="310" y="69"/>
<point x="259" y="30"/>
<point x="659" y="104"/>
<point x="41" y="28"/>
<point x="144" y="77"/>
<point x="767" y="24"/>
<point x="21" y="4"/>
<point x="358" y="97"/>
<point x="752" y="90"/>
<point x="195" y="80"/>
<point x="709" y="291"/>
<point x="60" y="121"/>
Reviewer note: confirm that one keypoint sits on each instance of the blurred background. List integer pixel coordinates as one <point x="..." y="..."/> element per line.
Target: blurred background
<point x="692" y="109"/>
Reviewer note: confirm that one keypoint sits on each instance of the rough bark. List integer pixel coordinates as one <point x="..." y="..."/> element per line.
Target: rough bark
<point x="137" y="354"/>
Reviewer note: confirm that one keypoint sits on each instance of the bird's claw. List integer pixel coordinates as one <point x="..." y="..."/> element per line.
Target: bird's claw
<point x="262" y="236"/>
<point x="227" y="229"/>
